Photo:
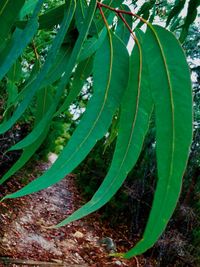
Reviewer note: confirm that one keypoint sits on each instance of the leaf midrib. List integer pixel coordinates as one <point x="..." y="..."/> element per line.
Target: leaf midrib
<point x="104" y="102"/>
<point x="173" y="120"/>
<point x="132" y="129"/>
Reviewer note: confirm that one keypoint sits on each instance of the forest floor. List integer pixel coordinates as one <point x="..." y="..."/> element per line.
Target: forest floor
<point x="25" y="240"/>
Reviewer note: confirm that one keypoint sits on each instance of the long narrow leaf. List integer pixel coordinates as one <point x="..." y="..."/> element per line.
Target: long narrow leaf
<point x="27" y="8"/>
<point x="82" y="72"/>
<point x="9" y="11"/>
<point x="46" y="21"/>
<point x="44" y="100"/>
<point x="179" y="5"/>
<point x="109" y="85"/>
<point x="13" y="77"/>
<point x="122" y="30"/>
<point x="172" y="95"/>
<point x="92" y="45"/>
<point x="58" y="68"/>
<point x="19" y="41"/>
<point x="136" y="109"/>
<point x="64" y="80"/>
<point x="26" y="155"/>
<point x="46" y="67"/>
<point x="191" y="15"/>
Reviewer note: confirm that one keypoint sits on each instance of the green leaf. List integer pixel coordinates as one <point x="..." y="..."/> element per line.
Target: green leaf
<point x="172" y="96"/>
<point x="82" y="72"/>
<point x="14" y="75"/>
<point x="175" y="23"/>
<point x="19" y="96"/>
<point x="54" y="74"/>
<point x="26" y="155"/>
<point x="92" y="44"/>
<point x="146" y="7"/>
<point x="64" y="80"/>
<point x="9" y="11"/>
<point x="44" y="100"/>
<point x="29" y="80"/>
<point x="98" y="23"/>
<point x="109" y="84"/>
<point x="81" y="12"/>
<point x="46" y="21"/>
<point x="28" y="8"/>
<point x="59" y="66"/>
<point x="15" y="72"/>
<point x="191" y="15"/>
<point x="52" y="17"/>
<point x="12" y="92"/>
<point x="122" y="30"/>
<point x="36" y="84"/>
<point x="179" y="4"/>
<point x="113" y="131"/>
<point x="136" y="110"/>
<point x="144" y="11"/>
<point x="19" y="41"/>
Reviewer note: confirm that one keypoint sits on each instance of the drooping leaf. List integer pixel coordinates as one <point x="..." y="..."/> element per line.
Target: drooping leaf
<point x="18" y="42"/>
<point x="52" y="17"/>
<point x="13" y="76"/>
<point x="179" y="4"/>
<point x="82" y="72"/>
<point x="58" y="68"/>
<point x="146" y="7"/>
<point x="18" y="96"/>
<point x="36" y="84"/>
<point x="27" y="153"/>
<point x="9" y="10"/>
<point x="108" y="15"/>
<point x="27" y="8"/>
<point x="62" y="83"/>
<point x="28" y="81"/>
<point x="144" y="11"/>
<point x="165" y="189"/>
<point x="44" y="100"/>
<point x="172" y="96"/>
<point x="113" y="131"/>
<point x="92" y="44"/>
<point x="15" y="72"/>
<point x="12" y="92"/>
<point x="109" y="84"/>
<point x="175" y="23"/>
<point x="136" y="110"/>
<point x="46" y="21"/>
<point x="54" y="74"/>
<point x="191" y="15"/>
<point x="121" y="29"/>
<point x="81" y="12"/>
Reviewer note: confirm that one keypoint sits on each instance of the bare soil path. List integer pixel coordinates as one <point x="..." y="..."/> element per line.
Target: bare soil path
<point x="26" y="242"/>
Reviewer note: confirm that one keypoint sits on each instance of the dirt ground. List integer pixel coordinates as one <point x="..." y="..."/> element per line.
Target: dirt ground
<point x="25" y="240"/>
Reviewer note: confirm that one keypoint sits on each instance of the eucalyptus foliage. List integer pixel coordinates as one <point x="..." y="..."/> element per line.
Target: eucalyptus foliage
<point x="92" y="40"/>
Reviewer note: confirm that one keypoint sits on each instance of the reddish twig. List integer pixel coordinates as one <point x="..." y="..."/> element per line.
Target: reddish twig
<point x="128" y="27"/>
<point x="120" y="11"/>
<point x="102" y="14"/>
<point x="35" y="50"/>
